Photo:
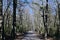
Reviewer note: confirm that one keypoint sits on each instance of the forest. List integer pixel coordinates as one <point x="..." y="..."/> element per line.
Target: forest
<point x="18" y="17"/>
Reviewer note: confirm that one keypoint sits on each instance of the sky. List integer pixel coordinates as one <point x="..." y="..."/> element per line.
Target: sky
<point x="50" y="2"/>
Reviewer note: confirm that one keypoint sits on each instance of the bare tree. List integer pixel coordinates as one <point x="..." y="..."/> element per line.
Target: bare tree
<point x="1" y="20"/>
<point x="14" y="17"/>
<point x="46" y="18"/>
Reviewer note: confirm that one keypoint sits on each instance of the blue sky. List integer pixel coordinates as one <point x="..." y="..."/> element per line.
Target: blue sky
<point x="51" y="3"/>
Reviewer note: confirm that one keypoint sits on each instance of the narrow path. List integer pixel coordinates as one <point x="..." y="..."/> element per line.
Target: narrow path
<point x="31" y="35"/>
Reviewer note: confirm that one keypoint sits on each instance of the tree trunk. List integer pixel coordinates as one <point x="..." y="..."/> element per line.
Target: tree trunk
<point x="1" y="19"/>
<point x="46" y="15"/>
<point x="14" y="18"/>
<point x="58" y="26"/>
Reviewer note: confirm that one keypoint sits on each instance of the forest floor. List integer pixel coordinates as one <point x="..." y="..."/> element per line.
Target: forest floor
<point x="31" y="35"/>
